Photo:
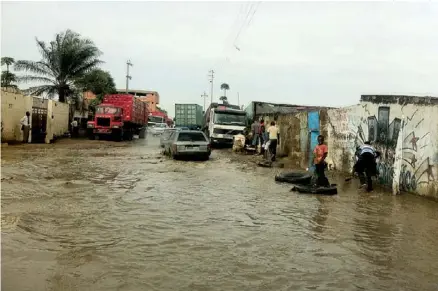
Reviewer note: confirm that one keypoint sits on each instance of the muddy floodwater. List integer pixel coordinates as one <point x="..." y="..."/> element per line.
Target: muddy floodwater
<point x="96" y="215"/>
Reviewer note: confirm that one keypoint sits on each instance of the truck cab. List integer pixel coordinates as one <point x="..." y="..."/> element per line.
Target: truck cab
<point x="108" y="120"/>
<point x="223" y="123"/>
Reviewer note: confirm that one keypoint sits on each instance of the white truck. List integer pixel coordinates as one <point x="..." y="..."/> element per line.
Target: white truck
<point x="222" y="122"/>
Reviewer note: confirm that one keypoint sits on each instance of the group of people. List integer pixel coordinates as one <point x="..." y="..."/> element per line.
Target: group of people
<point x="366" y="155"/>
<point x="266" y="137"/>
<point x="365" y="166"/>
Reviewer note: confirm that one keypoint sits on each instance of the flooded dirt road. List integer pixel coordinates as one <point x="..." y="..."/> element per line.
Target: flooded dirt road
<point x="95" y="215"/>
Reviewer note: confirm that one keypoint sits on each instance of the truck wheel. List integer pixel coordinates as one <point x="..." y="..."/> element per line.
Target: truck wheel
<point x="117" y="135"/>
<point x="90" y="134"/>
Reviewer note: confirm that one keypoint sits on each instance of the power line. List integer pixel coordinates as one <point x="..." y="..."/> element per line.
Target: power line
<point x="246" y="24"/>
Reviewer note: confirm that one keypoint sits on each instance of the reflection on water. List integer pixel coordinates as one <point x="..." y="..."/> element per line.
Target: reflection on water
<point x="96" y="215"/>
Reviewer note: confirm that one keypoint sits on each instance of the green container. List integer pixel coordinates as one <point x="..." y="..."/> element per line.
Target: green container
<point x="188" y="115"/>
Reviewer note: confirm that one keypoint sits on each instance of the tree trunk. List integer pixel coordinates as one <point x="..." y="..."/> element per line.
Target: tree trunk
<point x="61" y="95"/>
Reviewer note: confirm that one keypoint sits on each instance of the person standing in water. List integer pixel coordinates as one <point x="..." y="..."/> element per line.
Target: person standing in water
<point x="273" y="140"/>
<point x="366" y="166"/>
<point x="320" y="154"/>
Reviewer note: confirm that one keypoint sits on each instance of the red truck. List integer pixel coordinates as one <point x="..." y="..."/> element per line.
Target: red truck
<point x="119" y="116"/>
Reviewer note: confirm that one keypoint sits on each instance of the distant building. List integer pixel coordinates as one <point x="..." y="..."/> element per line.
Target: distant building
<point x="88" y="95"/>
<point x="152" y="98"/>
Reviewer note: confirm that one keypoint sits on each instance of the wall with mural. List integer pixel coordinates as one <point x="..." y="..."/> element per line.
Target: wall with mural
<point x="403" y="130"/>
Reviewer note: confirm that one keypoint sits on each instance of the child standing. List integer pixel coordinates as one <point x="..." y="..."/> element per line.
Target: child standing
<point x="320" y="154"/>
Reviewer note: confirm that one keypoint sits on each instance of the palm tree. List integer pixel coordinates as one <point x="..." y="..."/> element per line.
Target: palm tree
<point x="225" y="87"/>
<point x="7" y="61"/>
<point x="63" y="61"/>
<point x="7" y="78"/>
<point x="224" y="99"/>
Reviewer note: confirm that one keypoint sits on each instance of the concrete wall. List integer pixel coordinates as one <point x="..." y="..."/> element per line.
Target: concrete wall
<point x="294" y="135"/>
<point x="14" y="107"/>
<point x="57" y="119"/>
<point x="403" y="129"/>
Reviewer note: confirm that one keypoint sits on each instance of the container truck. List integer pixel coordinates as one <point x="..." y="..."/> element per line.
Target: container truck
<point x="119" y="116"/>
<point x="222" y="122"/>
<point x="188" y="115"/>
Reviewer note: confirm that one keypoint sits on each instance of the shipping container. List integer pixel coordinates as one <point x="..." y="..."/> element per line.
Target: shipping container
<point x="188" y="115"/>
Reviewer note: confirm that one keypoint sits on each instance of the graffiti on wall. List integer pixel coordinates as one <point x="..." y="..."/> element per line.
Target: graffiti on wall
<point x="384" y="133"/>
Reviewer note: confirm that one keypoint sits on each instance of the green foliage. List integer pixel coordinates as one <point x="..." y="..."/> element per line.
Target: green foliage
<point x="63" y="61"/>
<point x="224" y="99"/>
<point x="97" y="81"/>
<point x="7" y="80"/>
<point x="7" y="61"/>
<point x="225" y="87"/>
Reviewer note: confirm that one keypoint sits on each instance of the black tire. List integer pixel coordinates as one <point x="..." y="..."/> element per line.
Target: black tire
<point x="306" y="189"/>
<point x="90" y="134"/>
<point x="295" y="177"/>
<point x="117" y="135"/>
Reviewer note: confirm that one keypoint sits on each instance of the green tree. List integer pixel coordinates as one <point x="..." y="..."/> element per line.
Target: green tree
<point x="97" y="81"/>
<point x="7" y="61"/>
<point x="63" y="61"/>
<point x="224" y="99"/>
<point x="225" y="87"/>
<point x="8" y="78"/>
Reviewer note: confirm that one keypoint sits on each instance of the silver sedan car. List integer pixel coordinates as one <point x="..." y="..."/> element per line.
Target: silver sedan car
<point x="188" y="143"/>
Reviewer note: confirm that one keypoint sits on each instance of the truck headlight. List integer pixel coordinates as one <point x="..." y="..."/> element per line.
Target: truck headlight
<point x="115" y="126"/>
<point x="90" y="125"/>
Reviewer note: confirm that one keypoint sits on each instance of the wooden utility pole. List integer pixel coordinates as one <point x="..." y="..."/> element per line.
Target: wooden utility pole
<point x="205" y="99"/>
<point x="128" y="77"/>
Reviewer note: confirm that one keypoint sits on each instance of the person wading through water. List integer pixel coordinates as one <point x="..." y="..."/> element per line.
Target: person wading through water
<point x="274" y="136"/>
<point x="25" y="126"/>
<point x="366" y="165"/>
<point x="255" y="129"/>
<point x="263" y="138"/>
<point x="320" y="154"/>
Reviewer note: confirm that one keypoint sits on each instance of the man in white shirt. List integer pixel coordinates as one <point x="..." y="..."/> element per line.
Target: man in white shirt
<point x="75" y="128"/>
<point x="25" y="126"/>
<point x="274" y="135"/>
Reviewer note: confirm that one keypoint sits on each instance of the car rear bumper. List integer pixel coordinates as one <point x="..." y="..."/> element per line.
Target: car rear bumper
<point x="193" y="153"/>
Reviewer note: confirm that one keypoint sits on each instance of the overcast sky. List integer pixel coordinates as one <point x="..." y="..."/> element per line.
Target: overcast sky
<point x="291" y="52"/>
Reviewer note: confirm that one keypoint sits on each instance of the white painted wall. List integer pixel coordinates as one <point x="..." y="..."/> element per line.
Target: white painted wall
<point x="57" y="119"/>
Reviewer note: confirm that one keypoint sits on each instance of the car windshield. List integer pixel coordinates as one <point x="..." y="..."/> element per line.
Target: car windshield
<point x="107" y="110"/>
<point x="161" y="125"/>
<point x="229" y="118"/>
<point x="191" y="136"/>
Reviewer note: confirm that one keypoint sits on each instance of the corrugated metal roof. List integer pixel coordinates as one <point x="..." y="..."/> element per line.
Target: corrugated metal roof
<point x="265" y="108"/>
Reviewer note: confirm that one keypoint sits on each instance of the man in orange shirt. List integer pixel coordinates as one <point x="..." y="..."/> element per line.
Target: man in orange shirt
<point x="320" y="154"/>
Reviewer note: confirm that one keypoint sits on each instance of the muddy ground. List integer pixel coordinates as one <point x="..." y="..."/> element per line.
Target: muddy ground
<point x="98" y="215"/>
